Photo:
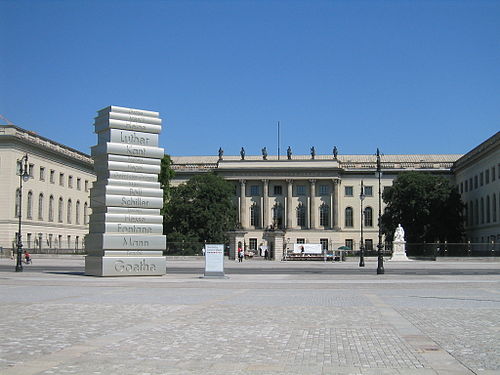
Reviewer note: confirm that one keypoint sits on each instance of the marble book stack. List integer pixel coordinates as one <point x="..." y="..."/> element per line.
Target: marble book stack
<point x="125" y="230"/>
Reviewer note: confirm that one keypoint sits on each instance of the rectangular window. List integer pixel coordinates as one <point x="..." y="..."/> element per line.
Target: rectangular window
<point x="475" y="182"/>
<point x="368" y="244"/>
<point x="31" y="169"/>
<point x="324" y="190"/>
<point x="493" y="174"/>
<point x="461" y="188"/>
<point x="61" y="179"/>
<point x="42" y="174"/>
<point x="324" y="244"/>
<point x="79" y="184"/>
<point x="28" y="236"/>
<point x="70" y="182"/>
<point x="301" y="240"/>
<point x="348" y="191"/>
<point x="278" y="190"/>
<point x="466" y="186"/>
<point x="487" y="176"/>
<point x="470" y="184"/>
<point x="254" y="190"/>
<point x="348" y="243"/>
<point x="86" y="185"/>
<point x="69" y="242"/>
<point x="253" y="244"/>
<point x="52" y="176"/>
<point x="301" y="190"/>
<point x="369" y="191"/>
<point x="481" y="178"/>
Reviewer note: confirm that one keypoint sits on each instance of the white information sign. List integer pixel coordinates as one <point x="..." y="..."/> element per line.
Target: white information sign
<point x="214" y="260"/>
<point x="307" y="248"/>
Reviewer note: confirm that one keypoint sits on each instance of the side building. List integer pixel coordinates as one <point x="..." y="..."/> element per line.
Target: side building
<point x="304" y="199"/>
<point x="477" y="175"/>
<point x="55" y="199"/>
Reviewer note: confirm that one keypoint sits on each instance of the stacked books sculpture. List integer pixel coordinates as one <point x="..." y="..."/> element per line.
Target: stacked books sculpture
<point x="126" y="229"/>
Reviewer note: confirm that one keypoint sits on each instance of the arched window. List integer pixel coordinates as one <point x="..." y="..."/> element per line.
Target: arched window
<point x="324" y="215"/>
<point x="29" y="205"/>
<point x="368" y="217"/>
<point x="301" y="215"/>
<point x="17" y="200"/>
<point x="77" y="212"/>
<point x="51" y="208"/>
<point x="277" y="215"/>
<point x="68" y="212"/>
<point x="40" y="206"/>
<point x="60" y="210"/>
<point x="349" y="219"/>
<point x="85" y="209"/>
<point x="254" y="215"/>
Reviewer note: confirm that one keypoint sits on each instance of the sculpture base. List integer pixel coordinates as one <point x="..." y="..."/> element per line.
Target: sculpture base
<point x="399" y="252"/>
<point x="125" y="266"/>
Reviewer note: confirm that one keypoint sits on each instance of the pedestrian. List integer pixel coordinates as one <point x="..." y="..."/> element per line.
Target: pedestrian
<point x="240" y="255"/>
<point x="27" y="257"/>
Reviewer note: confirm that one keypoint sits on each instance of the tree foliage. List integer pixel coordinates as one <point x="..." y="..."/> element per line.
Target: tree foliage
<point x="201" y="209"/>
<point x="427" y="206"/>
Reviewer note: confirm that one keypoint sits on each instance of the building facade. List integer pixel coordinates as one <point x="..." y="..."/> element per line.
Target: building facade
<point x="308" y="199"/>
<point x="477" y="175"/>
<point x="55" y="202"/>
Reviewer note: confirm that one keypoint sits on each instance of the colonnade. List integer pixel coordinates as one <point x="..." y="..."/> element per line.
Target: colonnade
<point x="290" y="209"/>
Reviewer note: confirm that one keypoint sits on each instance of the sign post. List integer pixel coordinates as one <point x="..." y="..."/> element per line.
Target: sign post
<point x="214" y="260"/>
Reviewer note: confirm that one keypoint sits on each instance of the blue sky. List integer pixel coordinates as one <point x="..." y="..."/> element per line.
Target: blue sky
<point x="404" y="76"/>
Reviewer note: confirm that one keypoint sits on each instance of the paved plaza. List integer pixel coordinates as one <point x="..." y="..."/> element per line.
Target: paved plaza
<point x="266" y="318"/>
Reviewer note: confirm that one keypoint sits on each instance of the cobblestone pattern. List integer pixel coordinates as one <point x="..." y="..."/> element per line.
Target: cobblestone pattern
<point x="471" y="336"/>
<point x="30" y="331"/>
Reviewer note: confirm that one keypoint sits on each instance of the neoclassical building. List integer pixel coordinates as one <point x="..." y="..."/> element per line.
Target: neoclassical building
<point x="55" y="199"/>
<point x="305" y="199"/>
<point x="477" y="175"/>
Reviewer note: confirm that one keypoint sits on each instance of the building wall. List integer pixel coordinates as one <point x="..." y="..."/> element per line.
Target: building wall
<point x="477" y="175"/>
<point x="72" y="177"/>
<point x="310" y="183"/>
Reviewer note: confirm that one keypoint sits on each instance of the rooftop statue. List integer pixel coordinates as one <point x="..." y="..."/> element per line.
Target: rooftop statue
<point x="313" y="152"/>
<point x="289" y="153"/>
<point x="221" y="153"/>
<point x="264" y="153"/>
<point x="335" y="152"/>
<point x="242" y="153"/>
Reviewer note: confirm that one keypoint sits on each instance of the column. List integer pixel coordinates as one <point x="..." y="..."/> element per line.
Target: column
<point x="336" y="204"/>
<point x="289" y="206"/>
<point x="312" y="208"/>
<point x="243" y="205"/>
<point x="265" y="203"/>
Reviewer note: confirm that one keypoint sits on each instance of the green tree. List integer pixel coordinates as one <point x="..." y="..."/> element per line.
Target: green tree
<point x="201" y="209"/>
<point x="427" y="206"/>
<point x="166" y="174"/>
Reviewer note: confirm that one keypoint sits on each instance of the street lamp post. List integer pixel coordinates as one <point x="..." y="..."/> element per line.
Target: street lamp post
<point x="380" y="259"/>
<point x="362" y="244"/>
<point x="23" y="176"/>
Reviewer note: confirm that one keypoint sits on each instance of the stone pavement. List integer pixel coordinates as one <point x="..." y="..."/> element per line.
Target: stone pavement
<point x="266" y="318"/>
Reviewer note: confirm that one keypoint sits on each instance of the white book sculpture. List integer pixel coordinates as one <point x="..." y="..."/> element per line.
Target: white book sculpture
<point x="125" y="232"/>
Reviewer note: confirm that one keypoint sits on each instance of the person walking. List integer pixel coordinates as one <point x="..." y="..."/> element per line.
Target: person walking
<point x="27" y="257"/>
<point x="240" y="255"/>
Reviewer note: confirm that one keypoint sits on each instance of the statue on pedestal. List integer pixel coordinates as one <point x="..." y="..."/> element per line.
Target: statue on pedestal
<point x="313" y="152"/>
<point x="399" y="234"/>
<point x="399" y="245"/>
<point x="264" y="153"/>
<point x="335" y="152"/>
<point x="289" y="153"/>
<point x="242" y="153"/>
<point x="221" y="153"/>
